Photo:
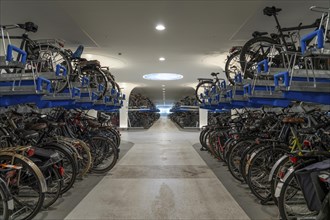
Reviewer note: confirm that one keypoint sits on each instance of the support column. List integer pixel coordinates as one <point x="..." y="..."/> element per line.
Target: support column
<point x="126" y="89"/>
<point x="203" y="117"/>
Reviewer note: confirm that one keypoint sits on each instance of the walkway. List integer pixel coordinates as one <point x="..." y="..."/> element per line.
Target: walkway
<point x="161" y="177"/>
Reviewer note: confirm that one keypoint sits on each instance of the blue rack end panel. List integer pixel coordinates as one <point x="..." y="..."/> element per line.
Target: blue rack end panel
<point x="76" y="92"/>
<point x="314" y="97"/>
<point x="270" y="102"/>
<point x="284" y="76"/>
<point x="320" y="40"/>
<point x="54" y="103"/>
<point x="58" y="70"/>
<point x="264" y="64"/>
<point x="41" y="81"/>
<point x="22" y="53"/>
<point x="6" y="101"/>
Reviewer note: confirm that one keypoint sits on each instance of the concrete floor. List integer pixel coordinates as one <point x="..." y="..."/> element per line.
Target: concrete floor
<point x="161" y="177"/>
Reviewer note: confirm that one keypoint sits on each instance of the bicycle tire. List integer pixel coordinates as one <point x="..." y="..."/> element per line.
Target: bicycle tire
<point x="68" y="161"/>
<point x="260" y="186"/>
<point x="235" y="159"/>
<point x="100" y="153"/>
<point x="64" y="80"/>
<point x="246" y="51"/>
<point x="4" y="214"/>
<point x="233" y="56"/>
<point x="54" y="186"/>
<point x="282" y="196"/>
<point x="200" y="88"/>
<point x="33" y="176"/>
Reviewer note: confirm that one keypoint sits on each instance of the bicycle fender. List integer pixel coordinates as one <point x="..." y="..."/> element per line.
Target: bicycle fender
<point x="282" y="181"/>
<point x="7" y="194"/>
<point x="33" y="166"/>
<point x="278" y="162"/>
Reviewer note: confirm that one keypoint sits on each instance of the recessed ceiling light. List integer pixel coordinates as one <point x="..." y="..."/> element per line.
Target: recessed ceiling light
<point x="161" y="58"/>
<point x="160" y="27"/>
<point x="163" y="76"/>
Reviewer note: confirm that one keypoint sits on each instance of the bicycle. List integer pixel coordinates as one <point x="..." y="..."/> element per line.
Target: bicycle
<point x="47" y="53"/>
<point x="205" y="84"/>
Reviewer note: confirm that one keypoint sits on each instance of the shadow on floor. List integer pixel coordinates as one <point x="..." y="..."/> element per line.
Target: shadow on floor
<point x="239" y="191"/>
<point x="64" y="205"/>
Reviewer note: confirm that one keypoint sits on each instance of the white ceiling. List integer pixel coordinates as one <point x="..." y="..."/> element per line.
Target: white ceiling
<point x="195" y="30"/>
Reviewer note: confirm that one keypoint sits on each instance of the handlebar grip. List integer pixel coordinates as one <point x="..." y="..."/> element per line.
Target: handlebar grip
<point x="284" y="75"/>
<point x="263" y="63"/>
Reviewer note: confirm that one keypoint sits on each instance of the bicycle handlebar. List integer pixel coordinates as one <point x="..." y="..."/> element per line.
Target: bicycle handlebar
<point x="28" y="26"/>
<point x="319" y="9"/>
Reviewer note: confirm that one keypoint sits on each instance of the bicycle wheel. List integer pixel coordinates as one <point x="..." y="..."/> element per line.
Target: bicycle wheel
<point x="54" y="185"/>
<point x="97" y="79"/>
<point x="85" y="163"/>
<point x="201" y="89"/>
<point x="234" y="160"/>
<point x="245" y="157"/>
<point x="233" y="66"/>
<point x="256" y="50"/>
<point x="291" y="201"/>
<point x="4" y="207"/>
<point x="25" y="185"/>
<point x="258" y="174"/>
<point x="104" y="154"/>
<point x="279" y="173"/>
<point x="69" y="165"/>
<point x="48" y="56"/>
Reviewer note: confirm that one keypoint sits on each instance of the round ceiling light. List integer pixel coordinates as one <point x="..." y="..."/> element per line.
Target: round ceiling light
<point x="161" y="58"/>
<point x="160" y="27"/>
<point x="163" y="76"/>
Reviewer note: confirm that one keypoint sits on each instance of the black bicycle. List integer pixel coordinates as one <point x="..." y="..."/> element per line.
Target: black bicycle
<point x="46" y="53"/>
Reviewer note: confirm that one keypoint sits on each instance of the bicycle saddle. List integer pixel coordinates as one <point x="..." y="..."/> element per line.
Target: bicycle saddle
<point x="36" y="126"/>
<point x="29" y="27"/>
<point x="93" y="124"/>
<point x="28" y="134"/>
<point x="259" y="34"/>
<point x="270" y="11"/>
<point x="292" y="120"/>
<point x="78" y="52"/>
<point x="44" y="154"/>
<point x="214" y="74"/>
<point x="89" y="63"/>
